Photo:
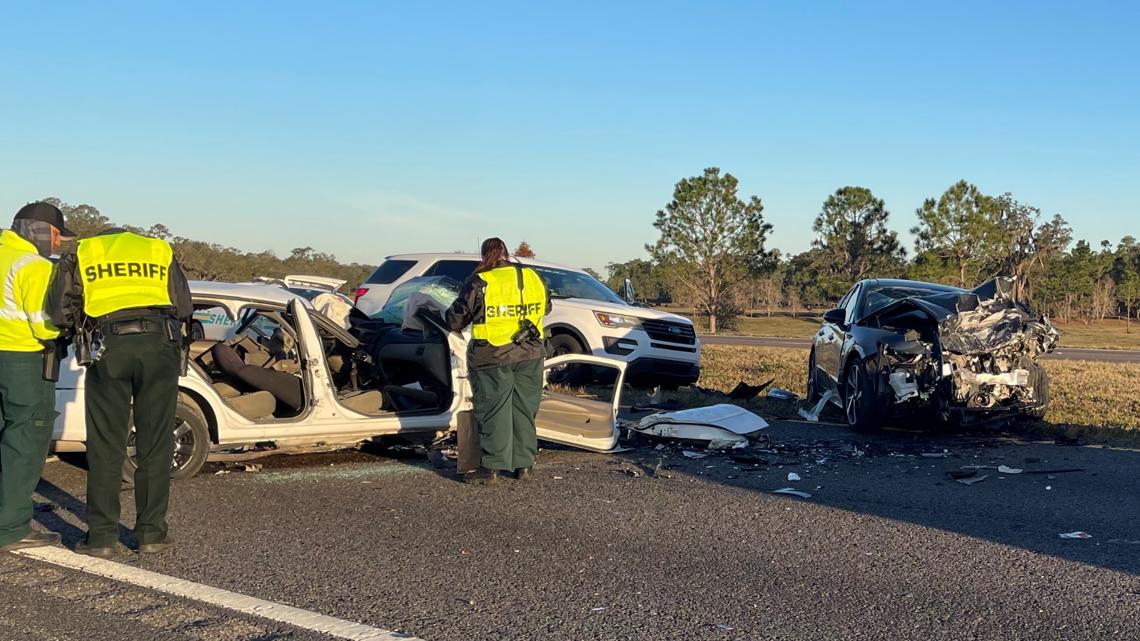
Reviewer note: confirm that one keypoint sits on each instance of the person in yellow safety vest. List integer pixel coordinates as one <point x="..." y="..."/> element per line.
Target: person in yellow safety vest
<point x="127" y="299"/>
<point x="27" y="399"/>
<point x="504" y="303"/>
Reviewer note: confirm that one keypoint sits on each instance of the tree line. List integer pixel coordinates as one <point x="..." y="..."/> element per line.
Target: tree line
<point x="711" y="253"/>
<point x="211" y="261"/>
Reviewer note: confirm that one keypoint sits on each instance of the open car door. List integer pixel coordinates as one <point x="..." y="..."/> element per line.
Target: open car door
<point x="567" y="416"/>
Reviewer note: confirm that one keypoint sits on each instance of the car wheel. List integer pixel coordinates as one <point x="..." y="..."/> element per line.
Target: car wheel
<point x="573" y="375"/>
<point x="191" y="443"/>
<point x="813" y="392"/>
<point x="859" y="403"/>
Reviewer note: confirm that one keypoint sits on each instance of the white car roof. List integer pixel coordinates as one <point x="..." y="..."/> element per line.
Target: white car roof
<point x="475" y="257"/>
<point x="253" y="292"/>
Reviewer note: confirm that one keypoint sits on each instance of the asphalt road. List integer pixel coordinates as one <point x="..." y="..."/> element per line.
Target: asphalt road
<point x="1062" y="353"/>
<point x="651" y="545"/>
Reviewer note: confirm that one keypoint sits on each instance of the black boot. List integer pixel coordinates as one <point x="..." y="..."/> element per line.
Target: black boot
<point x="482" y="476"/>
<point x="525" y="474"/>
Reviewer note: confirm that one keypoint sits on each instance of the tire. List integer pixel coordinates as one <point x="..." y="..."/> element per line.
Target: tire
<point x="191" y="443"/>
<point x="572" y="375"/>
<point x="813" y="393"/>
<point x="860" y="407"/>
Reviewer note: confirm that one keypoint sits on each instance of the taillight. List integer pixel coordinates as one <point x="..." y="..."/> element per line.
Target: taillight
<point x="360" y="291"/>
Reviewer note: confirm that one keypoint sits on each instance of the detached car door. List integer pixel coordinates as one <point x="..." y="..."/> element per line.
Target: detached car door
<point x="568" y="416"/>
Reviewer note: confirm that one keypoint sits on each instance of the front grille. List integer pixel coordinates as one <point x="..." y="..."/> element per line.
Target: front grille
<point x="669" y="331"/>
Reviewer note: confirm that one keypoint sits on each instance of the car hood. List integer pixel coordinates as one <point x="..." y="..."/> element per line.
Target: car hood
<point x="980" y="321"/>
<point x="627" y="310"/>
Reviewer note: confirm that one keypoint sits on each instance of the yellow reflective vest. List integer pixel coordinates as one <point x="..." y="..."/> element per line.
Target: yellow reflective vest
<point x="124" y="271"/>
<point x="504" y="305"/>
<point x="26" y="274"/>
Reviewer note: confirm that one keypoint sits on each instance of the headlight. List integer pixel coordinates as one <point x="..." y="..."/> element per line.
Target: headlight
<point x="617" y="320"/>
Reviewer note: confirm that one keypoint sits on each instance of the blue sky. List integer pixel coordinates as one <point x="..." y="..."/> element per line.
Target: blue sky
<point x="366" y="129"/>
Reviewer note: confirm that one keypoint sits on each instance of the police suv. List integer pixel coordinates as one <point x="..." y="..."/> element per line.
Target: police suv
<point x="587" y="317"/>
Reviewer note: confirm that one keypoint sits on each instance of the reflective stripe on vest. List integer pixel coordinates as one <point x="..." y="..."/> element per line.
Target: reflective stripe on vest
<point x="124" y="271"/>
<point x="504" y="306"/>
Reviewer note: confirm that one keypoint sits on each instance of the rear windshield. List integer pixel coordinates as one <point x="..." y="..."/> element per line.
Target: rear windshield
<point x="389" y="271"/>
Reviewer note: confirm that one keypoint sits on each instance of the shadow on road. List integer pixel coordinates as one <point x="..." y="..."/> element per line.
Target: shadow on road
<point x="904" y="474"/>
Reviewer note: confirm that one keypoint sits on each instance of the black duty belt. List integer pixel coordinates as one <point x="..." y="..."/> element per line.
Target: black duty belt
<point x="134" y="326"/>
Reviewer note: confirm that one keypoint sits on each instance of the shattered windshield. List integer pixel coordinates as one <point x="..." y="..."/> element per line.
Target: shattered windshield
<point x="879" y="297"/>
<point x="440" y="288"/>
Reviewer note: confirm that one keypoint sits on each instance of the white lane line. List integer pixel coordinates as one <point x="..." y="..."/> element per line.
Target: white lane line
<point x="217" y="597"/>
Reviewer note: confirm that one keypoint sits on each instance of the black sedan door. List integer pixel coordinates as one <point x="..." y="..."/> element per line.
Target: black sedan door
<point x="830" y="338"/>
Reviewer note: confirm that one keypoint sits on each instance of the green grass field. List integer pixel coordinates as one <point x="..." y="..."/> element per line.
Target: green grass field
<point x="1109" y="334"/>
<point x="1089" y="401"/>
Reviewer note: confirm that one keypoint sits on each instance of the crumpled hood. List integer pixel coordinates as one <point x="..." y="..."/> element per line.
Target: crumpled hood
<point x="982" y="320"/>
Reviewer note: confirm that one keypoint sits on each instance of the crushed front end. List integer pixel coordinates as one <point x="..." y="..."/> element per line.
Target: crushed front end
<point x="972" y="356"/>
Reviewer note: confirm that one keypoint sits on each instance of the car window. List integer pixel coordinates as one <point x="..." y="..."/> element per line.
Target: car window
<point x="389" y="271"/>
<point x="842" y="304"/>
<point x="216" y="322"/>
<point x="457" y="270"/>
<point x="852" y="304"/>
<point x="441" y="288"/>
<point x="563" y="283"/>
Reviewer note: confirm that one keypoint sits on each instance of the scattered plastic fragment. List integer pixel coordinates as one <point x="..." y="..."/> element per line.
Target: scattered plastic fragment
<point x="962" y="474"/>
<point x="1076" y="535"/>
<point x="782" y="394"/>
<point x="792" y="476"/>
<point x="1008" y="470"/>
<point x="597" y="609"/>
<point x="813" y="415"/>
<point x="942" y="454"/>
<point x="971" y="481"/>
<point x="692" y="454"/>
<point x="792" y="491"/>
<point x="1048" y="487"/>
<point x="252" y="467"/>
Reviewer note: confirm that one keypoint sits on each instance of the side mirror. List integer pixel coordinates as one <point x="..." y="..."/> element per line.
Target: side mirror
<point x="835" y="316"/>
<point x="627" y="292"/>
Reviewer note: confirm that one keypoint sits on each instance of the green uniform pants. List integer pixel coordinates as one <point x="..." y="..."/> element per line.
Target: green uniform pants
<point x="506" y="401"/>
<point x="142" y="367"/>
<point x="27" y="413"/>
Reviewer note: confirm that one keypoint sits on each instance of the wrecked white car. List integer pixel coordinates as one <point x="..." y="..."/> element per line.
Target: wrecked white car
<point x="972" y="356"/>
<point x="289" y="379"/>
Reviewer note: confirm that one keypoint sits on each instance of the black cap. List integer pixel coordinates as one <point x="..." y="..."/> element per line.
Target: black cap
<point x="47" y="213"/>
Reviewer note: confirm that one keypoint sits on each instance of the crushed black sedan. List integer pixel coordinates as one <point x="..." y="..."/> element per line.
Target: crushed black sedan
<point x="968" y="355"/>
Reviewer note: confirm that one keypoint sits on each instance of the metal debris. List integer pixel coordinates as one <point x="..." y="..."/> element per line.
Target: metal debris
<point x="793" y="492"/>
<point x="782" y="394"/>
<point x="813" y="415"/>
<point x="973" y="480"/>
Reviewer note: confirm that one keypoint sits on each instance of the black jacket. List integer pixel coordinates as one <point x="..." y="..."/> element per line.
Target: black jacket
<point x="64" y="305"/>
<point x="468" y="309"/>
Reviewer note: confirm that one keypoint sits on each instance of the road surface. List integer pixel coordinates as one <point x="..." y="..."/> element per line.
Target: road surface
<point x="640" y="546"/>
<point x="1062" y="353"/>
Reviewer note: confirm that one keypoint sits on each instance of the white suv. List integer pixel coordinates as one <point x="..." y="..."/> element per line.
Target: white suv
<point x="587" y="317"/>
